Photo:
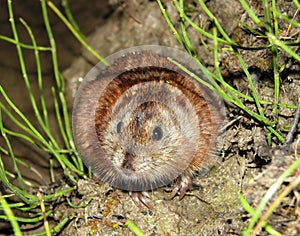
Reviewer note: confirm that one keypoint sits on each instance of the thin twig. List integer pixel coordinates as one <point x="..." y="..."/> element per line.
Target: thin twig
<point x="289" y="137"/>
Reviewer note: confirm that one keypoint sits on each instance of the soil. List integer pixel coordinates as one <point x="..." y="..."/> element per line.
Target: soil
<point x="246" y="165"/>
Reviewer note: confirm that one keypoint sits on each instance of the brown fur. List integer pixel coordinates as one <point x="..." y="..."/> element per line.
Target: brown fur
<point x="130" y="159"/>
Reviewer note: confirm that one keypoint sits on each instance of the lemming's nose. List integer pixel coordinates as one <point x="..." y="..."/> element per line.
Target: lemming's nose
<point x="128" y="161"/>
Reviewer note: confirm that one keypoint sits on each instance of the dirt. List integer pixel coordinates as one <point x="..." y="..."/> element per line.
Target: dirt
<point x="246" y="165"/>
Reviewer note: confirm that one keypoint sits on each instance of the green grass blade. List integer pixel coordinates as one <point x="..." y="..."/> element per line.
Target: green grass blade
<point x="10" y="216"/>
<point x="75" y="32"/>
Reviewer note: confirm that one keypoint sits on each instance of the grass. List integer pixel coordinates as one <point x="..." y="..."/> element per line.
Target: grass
<point x="270" y="29"/>
<point x="225" y="90"/>
<point x="42" y="136"/>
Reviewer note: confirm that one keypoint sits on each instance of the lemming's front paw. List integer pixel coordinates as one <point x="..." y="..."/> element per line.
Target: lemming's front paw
<point x="184" y="183"/>
<point x="141" y="199"/>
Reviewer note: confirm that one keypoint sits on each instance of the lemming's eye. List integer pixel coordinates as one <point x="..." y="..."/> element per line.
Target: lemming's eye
<point x="119" y="127"/>
<point x="157" y="133"/>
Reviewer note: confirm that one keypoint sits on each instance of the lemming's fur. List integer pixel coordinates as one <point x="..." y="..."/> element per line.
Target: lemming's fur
<point x="142" y="123"/>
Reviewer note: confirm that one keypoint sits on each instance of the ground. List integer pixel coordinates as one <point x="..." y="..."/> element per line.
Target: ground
<point x="213" y="206"/>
